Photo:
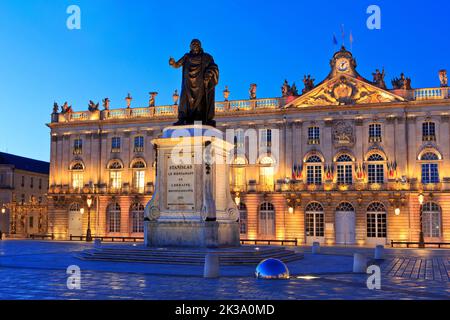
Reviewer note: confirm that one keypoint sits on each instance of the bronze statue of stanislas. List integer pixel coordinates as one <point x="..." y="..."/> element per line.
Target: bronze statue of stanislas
<point x="200" y="77"/>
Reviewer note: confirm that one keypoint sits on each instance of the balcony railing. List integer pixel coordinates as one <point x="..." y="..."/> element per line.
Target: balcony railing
<point x="169" y="111"/>
<point x="223" y="107"/>
<point x="431" y="93"/>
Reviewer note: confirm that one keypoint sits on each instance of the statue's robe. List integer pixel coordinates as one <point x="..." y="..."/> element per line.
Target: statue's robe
<point x="197" y="101"/>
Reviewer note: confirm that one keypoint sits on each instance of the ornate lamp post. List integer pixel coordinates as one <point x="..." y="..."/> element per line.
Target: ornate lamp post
<point x="88" y="232"/>
<point x="421" y="237"/>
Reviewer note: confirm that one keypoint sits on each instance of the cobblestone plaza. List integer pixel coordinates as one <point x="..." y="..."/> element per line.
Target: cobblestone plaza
<point x="37" y="270"/>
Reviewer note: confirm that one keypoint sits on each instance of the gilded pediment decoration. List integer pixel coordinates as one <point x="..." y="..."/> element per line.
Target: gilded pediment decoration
<point x="345" y="91"/>
<point x="344" y="86"/>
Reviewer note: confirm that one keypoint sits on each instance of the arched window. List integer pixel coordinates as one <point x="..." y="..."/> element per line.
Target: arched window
<point x="344" y="169"/>
<point x="344" y="158"/>
<point x="431" y="215"/>
<point x="137" y="218"/>
<point x="267" y="219"/>
<point x="376" y="220"/>
<point x="430" y="169"/>
<point x="345" y="207"/>
<point x="314" y="170"/>
<point x="115" y="175"/>
<point x="266" y="174"/>
<point x="243" y="218"/>
<point x="113" y="217"/>
<point x="139" y="176"/>
<point x="314" y="220"/>
<point x="77" y="171"/>
<point x="345" y="224"/>
<point x="375" y="157"/>
<point x="375" y="170"/>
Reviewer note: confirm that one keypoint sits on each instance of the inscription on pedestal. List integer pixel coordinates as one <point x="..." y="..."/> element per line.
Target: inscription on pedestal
<point x="180" y="186"/>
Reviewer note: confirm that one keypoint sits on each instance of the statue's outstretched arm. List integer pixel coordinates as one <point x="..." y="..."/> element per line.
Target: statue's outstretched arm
<point x="177" y="64"/>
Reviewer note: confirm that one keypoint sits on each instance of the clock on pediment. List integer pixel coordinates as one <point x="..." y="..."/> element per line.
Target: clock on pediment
<point x="343" y="63"/>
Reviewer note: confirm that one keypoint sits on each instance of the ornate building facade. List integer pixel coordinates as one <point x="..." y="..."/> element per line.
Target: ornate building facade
<point x="23" y="195"/>
<point x="347" y="161"/>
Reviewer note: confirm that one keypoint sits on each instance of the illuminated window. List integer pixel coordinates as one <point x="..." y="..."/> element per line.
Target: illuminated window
<point x="115" y="175"/>
<point x="115" y="145"/>
<point x="137" y="216"/>
<point x="375" y="170"/>
<point x="428" y="131"/>
<point x="314" y="135"/>
<point x="115" y="180"/>
<point x="139" y="144"/>
<point x="344" y="169"/>
<point x="314" y="220"/>
<point x="375" y="132"/>
<point x="430" y="171"/>
<point x="431" y="215"/>
<point x="77" y="146"/>
<point x="113" y="217"/>
<point x="266" y="174"/>
<point x="267" y="219"/>
<point x="243" y="218"/>
<point x="314" y="170"/>
<point x="77" y="171"/>
<point x="376" y="221"/>
<point x="139" y="176"/>
<point x="237" y="176"/>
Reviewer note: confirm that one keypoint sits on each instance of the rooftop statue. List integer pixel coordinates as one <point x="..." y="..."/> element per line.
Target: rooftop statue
<point x="443" y="78"/>
<point x="252" y="91"/>
<point x="106" y="103"/>
<point x="92" y="106"/>
<point x="65" y="108"/>
<point x="402" y="82"/>
<point x="378" y="79"/>
<point x="200" y="77"/>
<point x="285" y="89"/>
<point x="309" y="83"/>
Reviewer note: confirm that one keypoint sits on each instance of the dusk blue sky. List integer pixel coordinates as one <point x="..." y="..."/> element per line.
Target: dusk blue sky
<point x="124" y="46"/>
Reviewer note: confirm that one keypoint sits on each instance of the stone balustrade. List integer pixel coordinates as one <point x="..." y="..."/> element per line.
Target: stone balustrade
<point x="223" y="107"/>
<point x="169" y="111"/>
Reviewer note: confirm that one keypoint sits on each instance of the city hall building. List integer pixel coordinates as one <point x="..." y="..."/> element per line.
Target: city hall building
<point x="345" y="161"/>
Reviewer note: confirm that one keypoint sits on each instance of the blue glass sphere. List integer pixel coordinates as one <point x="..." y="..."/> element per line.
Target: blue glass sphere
<point x="272" y="269"/>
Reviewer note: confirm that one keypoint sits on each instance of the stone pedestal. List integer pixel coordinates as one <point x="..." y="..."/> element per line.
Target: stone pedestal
<point x="192" y="205"/>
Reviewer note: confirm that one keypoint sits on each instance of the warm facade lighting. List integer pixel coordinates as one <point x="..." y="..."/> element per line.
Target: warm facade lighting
<point x="397" y="211"/>
<point x="82" y="210"/>
<point x="291" y="210"/>
<point x="3" y="210"/>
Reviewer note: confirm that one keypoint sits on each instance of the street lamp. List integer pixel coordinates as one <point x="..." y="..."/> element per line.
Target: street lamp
<point x="88" y="232"/>
<point x="421" y="237"/>
<point x="3" y="210"/>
